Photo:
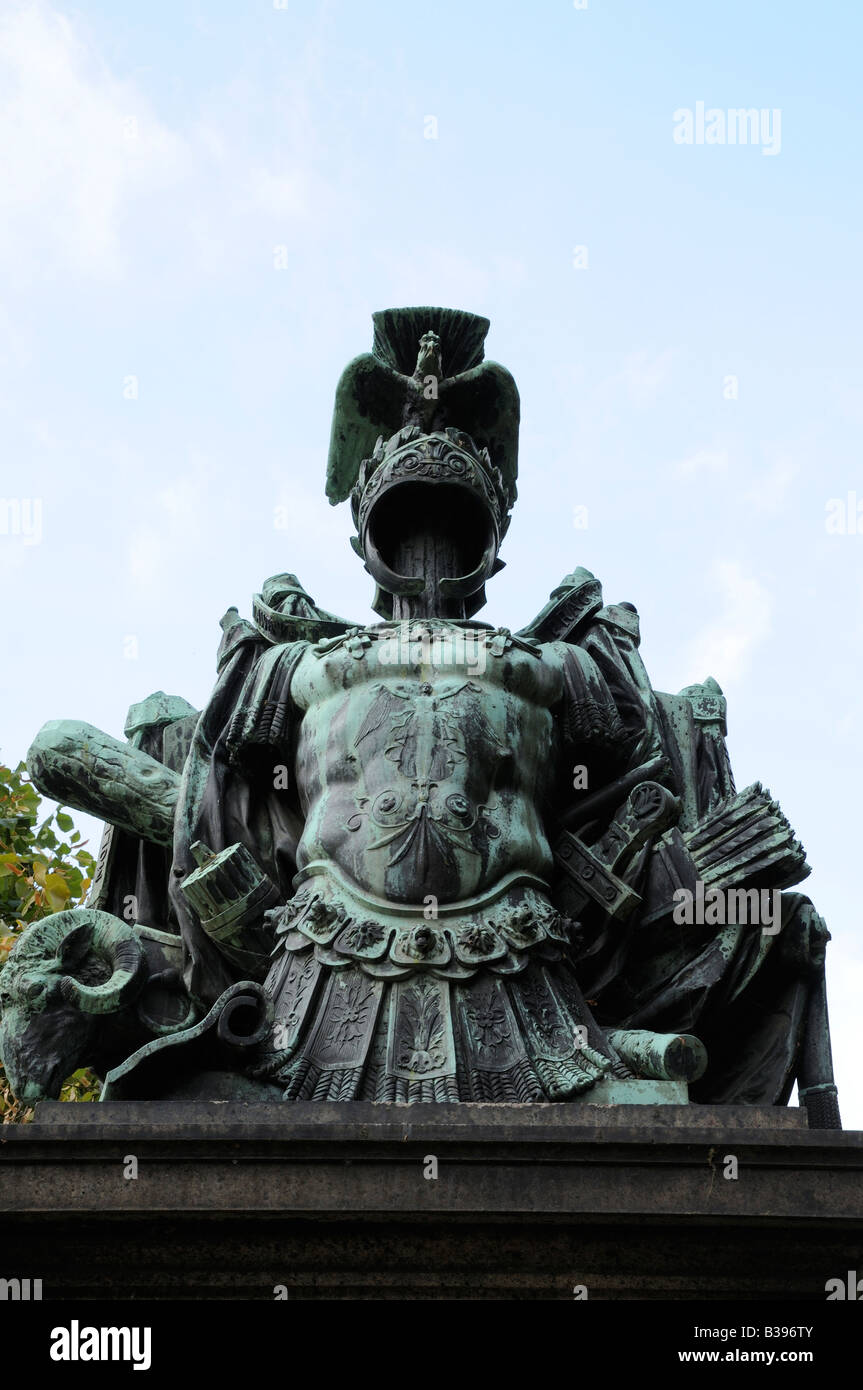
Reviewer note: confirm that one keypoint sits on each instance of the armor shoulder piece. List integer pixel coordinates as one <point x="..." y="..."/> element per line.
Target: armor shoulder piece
<point x="577" y="598"/>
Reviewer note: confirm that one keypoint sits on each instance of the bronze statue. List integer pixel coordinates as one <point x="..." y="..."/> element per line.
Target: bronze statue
<point x="428" y="860"/>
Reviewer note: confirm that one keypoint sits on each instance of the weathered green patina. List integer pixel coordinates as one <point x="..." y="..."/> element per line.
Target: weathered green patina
<point x="428" y="860"/>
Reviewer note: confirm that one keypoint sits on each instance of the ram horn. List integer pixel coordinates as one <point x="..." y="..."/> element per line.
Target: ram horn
<point x="115" y="942"/>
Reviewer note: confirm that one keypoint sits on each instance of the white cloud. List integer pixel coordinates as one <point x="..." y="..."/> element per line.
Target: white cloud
<point x="93" y="182"/>
<point x="282" y="195"/>
<point x="725" y="646"/>
<point x="14" y="346"/>
<point x="767" y="492"/>
<point x="159" y="542"/>
<point x="644" y="375"/>
<point x="702" y="461"/>
<point x="184" y="499"/>
<point x="78" y="146"/>
<point x="146" y="556"/>
<point x="302" y="512"/>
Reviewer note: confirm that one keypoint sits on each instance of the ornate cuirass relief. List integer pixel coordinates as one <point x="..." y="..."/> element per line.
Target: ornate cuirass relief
<point x="423" y="777"/>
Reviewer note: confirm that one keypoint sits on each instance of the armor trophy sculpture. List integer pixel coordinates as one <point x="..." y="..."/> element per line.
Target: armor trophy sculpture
<point x="425" y="860"/>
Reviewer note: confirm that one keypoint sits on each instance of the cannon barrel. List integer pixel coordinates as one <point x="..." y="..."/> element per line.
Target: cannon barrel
<point x="80" y="766"/>
<point x="661" y="1056"/>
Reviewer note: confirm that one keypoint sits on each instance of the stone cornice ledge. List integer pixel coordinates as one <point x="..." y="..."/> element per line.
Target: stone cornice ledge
<point x="494" y="1162"/>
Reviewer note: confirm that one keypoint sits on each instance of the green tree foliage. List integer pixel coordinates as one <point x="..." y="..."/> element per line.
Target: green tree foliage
<point x="44" y="868"/>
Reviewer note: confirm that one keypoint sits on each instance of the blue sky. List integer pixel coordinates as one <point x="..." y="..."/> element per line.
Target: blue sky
<point x="204" y="203"/>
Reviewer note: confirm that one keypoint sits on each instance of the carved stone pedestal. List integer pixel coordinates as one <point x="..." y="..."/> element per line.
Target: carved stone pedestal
<point x="428" y="1201"/>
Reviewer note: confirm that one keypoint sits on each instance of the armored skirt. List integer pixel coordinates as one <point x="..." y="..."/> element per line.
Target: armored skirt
<point x="373" y="1001"/>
